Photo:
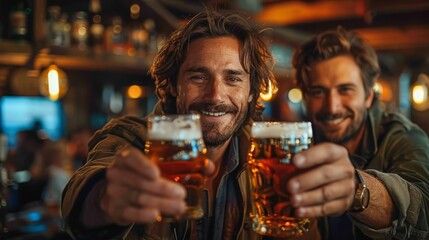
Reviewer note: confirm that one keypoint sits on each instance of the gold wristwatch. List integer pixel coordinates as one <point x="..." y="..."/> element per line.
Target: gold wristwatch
<point x="362" y="196"/>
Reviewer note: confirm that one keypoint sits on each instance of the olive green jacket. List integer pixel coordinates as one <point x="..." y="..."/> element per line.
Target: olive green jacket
<point x="396" y="151"/>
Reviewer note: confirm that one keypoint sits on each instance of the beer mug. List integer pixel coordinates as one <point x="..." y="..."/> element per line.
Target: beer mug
<point x="175" y="143"/>
<point x="273" y="145"/>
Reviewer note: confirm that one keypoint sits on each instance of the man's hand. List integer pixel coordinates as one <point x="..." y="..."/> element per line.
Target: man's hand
<point x="136" y="191"/>
<point x="327" y="185"/>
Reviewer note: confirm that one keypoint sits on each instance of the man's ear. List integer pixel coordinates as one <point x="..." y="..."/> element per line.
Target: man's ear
<point x="369" y="98"/>
<point x="250" y="98"/>
<point x="172" y="91"/>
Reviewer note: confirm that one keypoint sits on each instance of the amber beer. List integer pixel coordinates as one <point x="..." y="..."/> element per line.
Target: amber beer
<point x="176" y="145"/>
<point x="273" y="145"/>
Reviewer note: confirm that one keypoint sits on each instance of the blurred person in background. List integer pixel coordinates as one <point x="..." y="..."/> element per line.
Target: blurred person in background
<point x="23" y="155"/>
<point x="54" y="165"/>
<point x="19" y="162"/>
<point x="39" y="196"/>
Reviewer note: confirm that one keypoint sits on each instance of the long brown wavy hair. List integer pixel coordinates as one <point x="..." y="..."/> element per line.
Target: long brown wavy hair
<point x="255" y="56"/>
<point x="334" y="43"/>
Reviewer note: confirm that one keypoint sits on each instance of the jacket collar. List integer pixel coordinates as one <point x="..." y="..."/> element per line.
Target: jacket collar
<point x="369" y="146"/>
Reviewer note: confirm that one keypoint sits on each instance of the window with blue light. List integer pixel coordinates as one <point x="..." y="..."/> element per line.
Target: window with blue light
<point x="19" y="113"/>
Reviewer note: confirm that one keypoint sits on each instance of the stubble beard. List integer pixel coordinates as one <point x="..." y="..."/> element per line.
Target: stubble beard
<point x="350" y="134"/>
<point x="214" y="136"/>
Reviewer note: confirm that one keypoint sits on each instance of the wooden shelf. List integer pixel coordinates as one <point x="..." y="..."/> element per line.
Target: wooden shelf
<point x="19" y="53"/>
<point x="14" y="53"/>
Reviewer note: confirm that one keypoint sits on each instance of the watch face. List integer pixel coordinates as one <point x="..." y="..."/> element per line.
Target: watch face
<point x="362" y="196"/>
<point x="365" y="197"/>
<point x="361" y="199"/>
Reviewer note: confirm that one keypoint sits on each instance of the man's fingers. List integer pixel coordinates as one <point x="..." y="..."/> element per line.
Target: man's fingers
<point x="160" y="187"/>
<point x="320" y="176"/>
<point x="136" y="192"/>
<point x="117" y="200"/>
<point x="319" y="154"/>
<point x="335" y="207"/>
<point x="140" y="215"/>
<point x="330" y="192"/>
<point x="134" y="159"/>
<point x="127" y="196"/>
<point x="126" y="215"/>
<point x="167" y="206"/>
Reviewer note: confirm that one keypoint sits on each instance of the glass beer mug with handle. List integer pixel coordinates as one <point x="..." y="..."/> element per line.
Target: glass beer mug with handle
<point x="272" y="147"/>
<point x="175" y="143"/>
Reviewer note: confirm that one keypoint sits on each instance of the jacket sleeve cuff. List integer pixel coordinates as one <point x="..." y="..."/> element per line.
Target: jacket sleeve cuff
<point x="407" y="206"/>
<point x="74" y="223"/>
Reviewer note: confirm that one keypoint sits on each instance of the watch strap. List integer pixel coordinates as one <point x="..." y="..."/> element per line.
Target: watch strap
<point x="362" y="195"/>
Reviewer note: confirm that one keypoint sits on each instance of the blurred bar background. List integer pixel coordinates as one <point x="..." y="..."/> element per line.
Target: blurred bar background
<point x="67" y="67"/>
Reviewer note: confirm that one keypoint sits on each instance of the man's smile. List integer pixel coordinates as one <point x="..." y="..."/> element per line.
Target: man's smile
<point x="213" y="114"/>
<point x="333" y="121"/>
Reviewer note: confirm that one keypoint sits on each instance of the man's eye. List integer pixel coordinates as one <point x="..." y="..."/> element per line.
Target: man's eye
<point x="234" y="79"/>
<point x="198" y="77"/>
<point x="316" y="92"/>
<point x="346" y="90"/>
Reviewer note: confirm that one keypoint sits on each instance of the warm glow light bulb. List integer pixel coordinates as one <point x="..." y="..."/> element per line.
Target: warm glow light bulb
<point x="295" y="95"/>
<point x="134" y="92"/>
<point x="53" y="83"/>
<point x="135" y="9"/>
<point x="420" y="94"/>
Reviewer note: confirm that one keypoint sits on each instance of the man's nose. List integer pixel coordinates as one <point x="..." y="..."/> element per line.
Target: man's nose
<point x="333" y="103"/>
<point x="216" y="90"/>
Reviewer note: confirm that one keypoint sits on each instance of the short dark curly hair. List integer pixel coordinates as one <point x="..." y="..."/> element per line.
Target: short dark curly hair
<point x="255" y="56"/>
<point x="334" y="43"/>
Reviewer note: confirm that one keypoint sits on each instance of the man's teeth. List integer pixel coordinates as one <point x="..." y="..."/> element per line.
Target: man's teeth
<point x="214" y="114"/>
<point x="334" y="121"/>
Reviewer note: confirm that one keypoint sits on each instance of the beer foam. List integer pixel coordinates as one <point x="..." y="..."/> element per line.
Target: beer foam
<point x="282" y="130"/>
<point x="178" y="129"/>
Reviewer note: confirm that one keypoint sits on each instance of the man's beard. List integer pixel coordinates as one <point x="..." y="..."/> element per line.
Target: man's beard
<point x="212" y="134"/>
<point x="213" y="137"/>
<point x="351" y="133"/>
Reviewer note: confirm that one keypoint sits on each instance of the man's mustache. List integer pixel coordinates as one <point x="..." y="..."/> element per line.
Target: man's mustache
<point x="208" y="107"/>
<point x="325" y="116"/>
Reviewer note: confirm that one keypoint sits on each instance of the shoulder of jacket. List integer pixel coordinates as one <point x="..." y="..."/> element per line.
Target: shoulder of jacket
<point x="130" y="128"/>
<point x="395" y="119"/>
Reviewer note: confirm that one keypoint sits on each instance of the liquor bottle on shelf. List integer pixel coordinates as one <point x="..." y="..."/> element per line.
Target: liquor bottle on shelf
<point x="116" y="38"/>
<point x="152" y="38"/>
<point x="137" y="33"/>
<point x="52" y="25"/>
<point x="96" y="29"/>
<point x="58" y="28"/>
<point x="20" y="19"/>
<point x="80" y="30"/>
<point x="66" y="30"/>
